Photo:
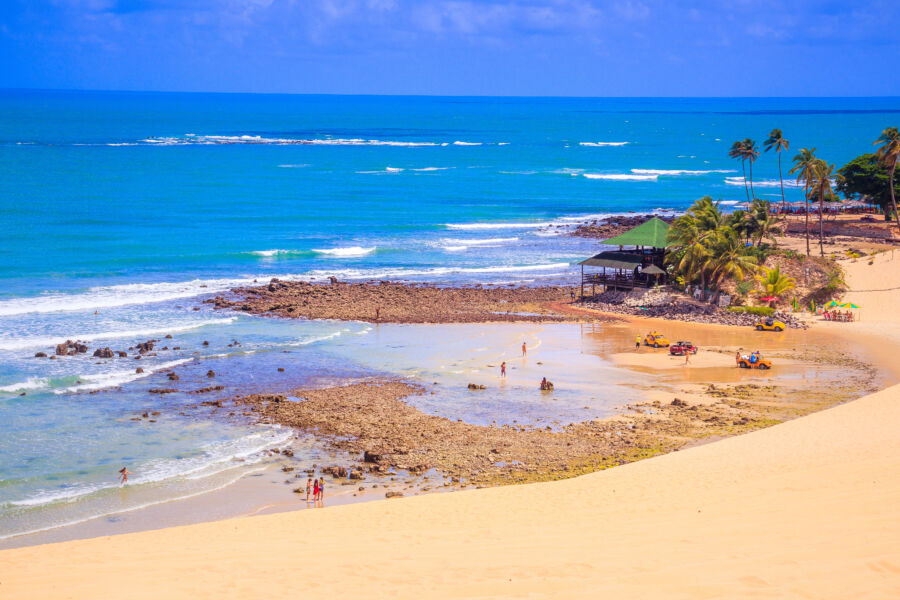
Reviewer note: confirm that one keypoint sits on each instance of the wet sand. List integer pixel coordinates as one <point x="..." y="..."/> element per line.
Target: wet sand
<point x="387" y="302"/>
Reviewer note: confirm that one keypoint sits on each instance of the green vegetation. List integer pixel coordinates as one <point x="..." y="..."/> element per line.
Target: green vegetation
<point x="888" y="152"/>
<point x="866" y="177"/>
<point x="805" y="168"/>
<point x="821" y="188"/>
<point x="746" y="151"/>
<point x="761" y="311"/>
<point x="707" y="247"/>
<point x="773" y="282"/>
<point x="776" y="142"/>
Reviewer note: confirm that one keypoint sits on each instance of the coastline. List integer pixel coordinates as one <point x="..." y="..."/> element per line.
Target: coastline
<point x="817" y="456"/>
<point x="562" y="351"/>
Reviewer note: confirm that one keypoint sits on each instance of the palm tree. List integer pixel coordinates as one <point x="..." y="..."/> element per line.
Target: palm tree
<point x="737" y="152"/>
<point x="805" y="166"/>
<point x="728" y="258"/>
<point x="822" y="188"/>
<point x="688" y="236"/>
<point x="763" y="226"/>
<point x="774" y="283"/>
<point x="776" y="142"/>
<point x="888" y="154"/>
<point x="751" y="153"/>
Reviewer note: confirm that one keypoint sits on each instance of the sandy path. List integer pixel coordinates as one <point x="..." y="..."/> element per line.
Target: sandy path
<point x="806" y="509"/>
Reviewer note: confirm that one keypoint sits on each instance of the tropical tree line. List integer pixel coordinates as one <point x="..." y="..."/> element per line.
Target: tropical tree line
<point x="709" y="247"/>
<point x="870" y="176"/>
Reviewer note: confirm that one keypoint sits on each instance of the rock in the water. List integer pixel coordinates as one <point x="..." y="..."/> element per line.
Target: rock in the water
<point x="103" y="353"/>
<point x="393" y="494"/>
<point x="62" y="349"/>
<point x="169" y="336"/>
<point x="40" y="355"/>
<point x="122" y="353"/>
<point x="145" y="347"/>
<point x="335" y="471"/>
<point x="210" y="373"/>
<point x="205" y="343"/>
<point x="173" y="376"/>
<point x="371" y="457"/>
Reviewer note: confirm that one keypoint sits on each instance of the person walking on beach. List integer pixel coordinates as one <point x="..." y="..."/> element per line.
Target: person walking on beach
<point x="308" y="488"/>
<point x="315" y="489"/>
<point x="637" y="342"/>
<point x="687" y="357"/>
<point x="124" y="473"/>
<point x="321" y="489"/>
<point x="503" y="369"/>
<point x="524" y="350"/>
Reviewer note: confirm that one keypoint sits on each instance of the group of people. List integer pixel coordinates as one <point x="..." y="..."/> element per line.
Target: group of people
<point x="753" y="358"/>
<point x="316" y="487"/>
<point x="545" y="385"/>
<point x="838" y="315"/>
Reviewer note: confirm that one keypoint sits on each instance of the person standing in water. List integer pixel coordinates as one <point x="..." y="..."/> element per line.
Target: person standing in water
<point x="315" y="489"/>
<point x="321" y="489"/>
<point x="524" y="350"/>
<point x="124" y="473"/>
<point x="503" y="369"/>
<point x="308" y="488"/>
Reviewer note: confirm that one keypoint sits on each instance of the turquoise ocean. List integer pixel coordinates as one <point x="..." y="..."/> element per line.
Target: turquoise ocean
<point x="122" y="211"/>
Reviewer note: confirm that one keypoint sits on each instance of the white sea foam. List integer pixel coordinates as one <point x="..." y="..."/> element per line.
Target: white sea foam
<point x="213" y="459"/>
<point x="788" y="183"/>
<point x="192" y="139"/>
<point x="458" y="143"/>
<point x="293" y="166"/>
<point x="678" y="171"/>
<point x="601" y="144"/>
<point x="45" y="341"/>
<point x="475" y="226"/>
<point x="32" y="383"/>
<point x="313" y="340"/>
<point x="423" y="169"/>
<point x="402" y="273"/>
<point x="621" y="176"/>
<point x="274" y="252"/>
<point x="100" y="381"/>
<point x="117" y="295"/>
<point x="240" y="474"/>
<point x="349" y="252"/>
<point x="481" y="241"/>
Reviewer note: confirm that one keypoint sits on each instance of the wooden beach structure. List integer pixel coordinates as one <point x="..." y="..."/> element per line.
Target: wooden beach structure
<point x="639" y="266"/>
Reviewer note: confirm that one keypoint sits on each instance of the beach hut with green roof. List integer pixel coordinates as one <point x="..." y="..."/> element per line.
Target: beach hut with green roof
<point x="638" y="262"/>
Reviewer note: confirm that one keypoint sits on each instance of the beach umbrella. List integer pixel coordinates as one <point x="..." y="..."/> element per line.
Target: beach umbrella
<point x="832" y="304"/>
<point x="849" y="305"/>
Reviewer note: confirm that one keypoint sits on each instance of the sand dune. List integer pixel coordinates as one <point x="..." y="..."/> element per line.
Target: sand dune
<point x="805" y="509"/>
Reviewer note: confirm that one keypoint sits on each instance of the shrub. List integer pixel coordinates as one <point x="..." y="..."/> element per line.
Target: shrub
<point x="760" y="311"/>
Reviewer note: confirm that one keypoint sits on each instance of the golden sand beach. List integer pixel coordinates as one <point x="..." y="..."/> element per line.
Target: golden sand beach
<point x="804" y="509"/>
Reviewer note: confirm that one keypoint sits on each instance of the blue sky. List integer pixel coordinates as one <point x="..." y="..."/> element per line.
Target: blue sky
<point x="465" y="47"/>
